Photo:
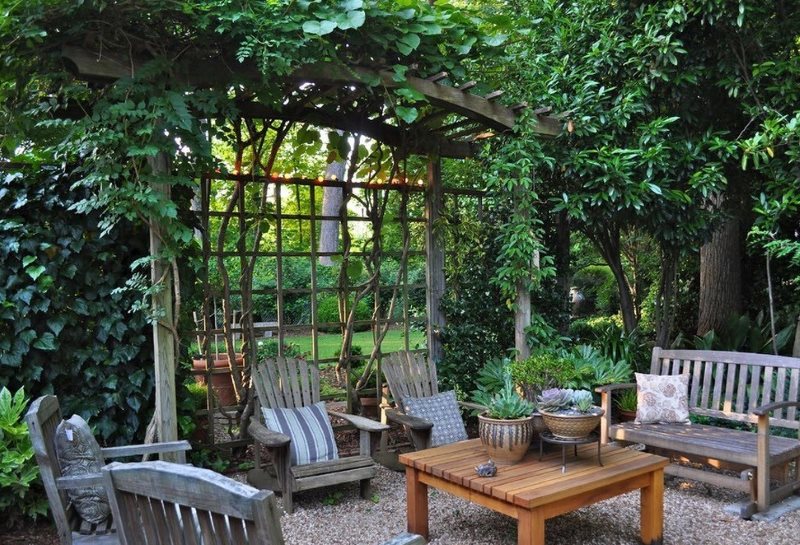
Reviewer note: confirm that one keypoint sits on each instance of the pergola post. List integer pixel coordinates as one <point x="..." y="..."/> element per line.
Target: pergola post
<point x="434" y="267"/>
<point x="522" y="320"/>
<point x="163" y="336"/>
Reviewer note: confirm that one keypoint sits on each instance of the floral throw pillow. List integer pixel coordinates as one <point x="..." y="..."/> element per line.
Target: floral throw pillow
<point x="662" y="399"/>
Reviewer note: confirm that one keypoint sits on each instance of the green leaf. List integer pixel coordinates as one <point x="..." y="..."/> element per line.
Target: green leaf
<point x="46" y="342"/>
<point x="350" y="5"/>
<point x="408" y="43"/>
<point x="495" y="40"/>
<point x="179" y="105"/>
<point x="409" y="115"/>
<point x="35" y="272"/>
<point x="353" y="19"/>
<point x="28" y="259"/>
<point x="319" y="28"/>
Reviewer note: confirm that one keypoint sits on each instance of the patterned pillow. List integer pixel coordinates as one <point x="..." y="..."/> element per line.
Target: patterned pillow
<point x="662" y="398"/>
<point x="79" y="454"/>
<point x="441" y="409"/>
<point x="310" y="430"/>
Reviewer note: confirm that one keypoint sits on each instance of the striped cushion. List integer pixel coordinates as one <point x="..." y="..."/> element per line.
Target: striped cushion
<point x="310" y="430"/>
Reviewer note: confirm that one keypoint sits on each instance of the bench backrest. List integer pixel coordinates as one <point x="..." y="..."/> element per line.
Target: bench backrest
<point x="157" y="503"/>
<point x="730" y="385"/>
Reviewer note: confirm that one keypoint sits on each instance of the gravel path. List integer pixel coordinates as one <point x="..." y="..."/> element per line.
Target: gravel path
<point x="694" y="514"/>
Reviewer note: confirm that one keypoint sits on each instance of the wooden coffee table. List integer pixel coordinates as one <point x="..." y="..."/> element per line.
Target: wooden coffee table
<point x="533" y="491"/>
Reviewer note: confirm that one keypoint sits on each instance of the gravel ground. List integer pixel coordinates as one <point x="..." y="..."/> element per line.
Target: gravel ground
<point x="694" y="514"/>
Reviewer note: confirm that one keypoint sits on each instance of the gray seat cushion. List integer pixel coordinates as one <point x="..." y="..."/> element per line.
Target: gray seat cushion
<point x="79" y="454"/>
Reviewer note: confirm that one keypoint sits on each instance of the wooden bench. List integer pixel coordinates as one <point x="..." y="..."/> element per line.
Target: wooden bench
<point x="733" y="387"/>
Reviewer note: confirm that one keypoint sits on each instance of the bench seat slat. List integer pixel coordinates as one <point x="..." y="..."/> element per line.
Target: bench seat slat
<point x="736" y="446"/>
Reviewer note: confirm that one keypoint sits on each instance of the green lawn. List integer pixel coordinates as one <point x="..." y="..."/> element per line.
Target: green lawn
<point x="330" y="343"/>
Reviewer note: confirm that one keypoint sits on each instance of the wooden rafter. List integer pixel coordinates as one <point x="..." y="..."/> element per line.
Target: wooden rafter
<point x="317" y="105"/>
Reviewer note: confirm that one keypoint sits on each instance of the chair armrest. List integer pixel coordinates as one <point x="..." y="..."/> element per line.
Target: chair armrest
<point x="79" y="481"/>
<point x="413" y="422"/>
<point x="406" y="539"/>
<point x="262" y="434"/>
<point x="149" y="448"/>
<point x="617" y="386"/>
<point x="764" y="410"/>
<point x="472" y="406"/>
<point x="360" y="422"/>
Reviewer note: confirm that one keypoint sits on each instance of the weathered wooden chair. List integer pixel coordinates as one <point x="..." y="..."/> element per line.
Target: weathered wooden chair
<point x="287" y="383"/>
<point x="158" y="503"/>
<point x="43" y="417"/>
<point x="411" y="376"/>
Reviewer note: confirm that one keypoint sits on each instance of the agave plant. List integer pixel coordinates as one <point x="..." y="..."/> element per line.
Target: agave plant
<point x="507" y="404"/>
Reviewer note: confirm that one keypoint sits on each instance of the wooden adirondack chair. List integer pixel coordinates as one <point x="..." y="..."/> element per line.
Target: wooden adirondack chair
<point x="156" y="503"/>
<point x="293" y="383"/>
<point x="410" y="375"/>
<point x="43" y="417"/>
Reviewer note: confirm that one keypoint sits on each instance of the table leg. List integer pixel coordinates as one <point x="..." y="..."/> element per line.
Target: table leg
<point x="530" y="527"/>
<point x="652" y="510"/>
<point x="417" y="503"/>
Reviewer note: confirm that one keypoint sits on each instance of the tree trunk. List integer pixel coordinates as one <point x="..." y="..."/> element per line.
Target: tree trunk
<point x="607" y="241"/>
<point x="665" y="300"/>
<point x="720" y="277"/>
<point x="331" y="201"/>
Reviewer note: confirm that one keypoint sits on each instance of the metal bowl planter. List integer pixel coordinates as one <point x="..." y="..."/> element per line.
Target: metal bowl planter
<point x="572" y="424"/>
<point x="506" y="441"/>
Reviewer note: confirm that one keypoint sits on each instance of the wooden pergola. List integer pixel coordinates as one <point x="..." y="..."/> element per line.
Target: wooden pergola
<point x="452" y="124"/>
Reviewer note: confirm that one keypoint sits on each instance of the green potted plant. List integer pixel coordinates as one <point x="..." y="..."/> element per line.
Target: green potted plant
<point x="569" y="414"/>
<point x="506" y="426"/>
<point x="544" y="369"/>
<point x="626" y="402"/>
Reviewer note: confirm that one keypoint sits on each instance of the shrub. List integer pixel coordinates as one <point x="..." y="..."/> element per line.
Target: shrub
<point x="269" y="349"/>
<point x="328" y="311"/>
<point x="66" y="326"/>
<point x="542" y="370"/>
<point x="599" y="287"/>
<point x="21" y="495"/>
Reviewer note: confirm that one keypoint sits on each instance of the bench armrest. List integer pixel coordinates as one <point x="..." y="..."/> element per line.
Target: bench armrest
<point x="617" y="386"/>
<point x="79" y="481"/>
<point x="149" y="448"/>
<point x="413" y="422"/>
<point x="262" y="434"/>
<point x="360" y="422"/>
<point x="764" y="410"/>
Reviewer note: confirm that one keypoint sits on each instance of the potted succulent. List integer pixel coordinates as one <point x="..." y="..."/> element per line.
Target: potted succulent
<point x="569" y="414"/>
<point x="626" y="401"/>
<point x="506" y="426"/>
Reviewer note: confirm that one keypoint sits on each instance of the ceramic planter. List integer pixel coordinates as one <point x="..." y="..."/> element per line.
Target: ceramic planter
<point x="506" y="441"/>
<point x="572" y="425"/>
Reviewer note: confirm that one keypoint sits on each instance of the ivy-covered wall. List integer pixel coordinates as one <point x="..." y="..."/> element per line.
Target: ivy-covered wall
<point x="65" y="325"/>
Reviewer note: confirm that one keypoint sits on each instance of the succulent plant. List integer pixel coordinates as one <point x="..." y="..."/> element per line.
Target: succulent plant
<point x="582" y="400"/>
<point x="554" y="399"/>
<point x="507" y="404"/>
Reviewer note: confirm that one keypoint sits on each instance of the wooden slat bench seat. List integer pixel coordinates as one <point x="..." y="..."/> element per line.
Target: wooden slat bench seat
<point x="757" y="390"/>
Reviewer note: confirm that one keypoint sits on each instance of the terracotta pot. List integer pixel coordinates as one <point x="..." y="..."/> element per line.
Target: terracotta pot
<point x="221" y="382"/>
<point x="626" y="416"/>
<point x="369" y="406"/>
<point x="572" y="426"/>
<point x="506" y="441"/>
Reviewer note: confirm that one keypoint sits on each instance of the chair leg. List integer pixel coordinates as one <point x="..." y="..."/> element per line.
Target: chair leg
<point x="288" y="503"/>
<point x="364" y="488"/>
